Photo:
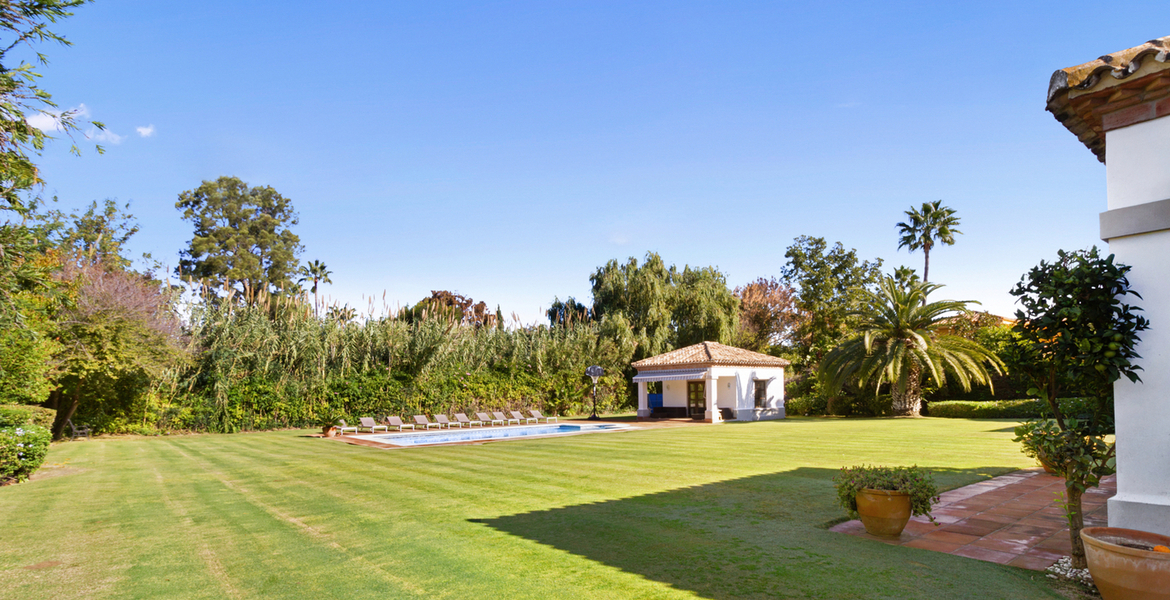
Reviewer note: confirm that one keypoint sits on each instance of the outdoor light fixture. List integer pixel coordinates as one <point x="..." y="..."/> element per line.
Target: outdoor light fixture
<point x="595" y="372"/>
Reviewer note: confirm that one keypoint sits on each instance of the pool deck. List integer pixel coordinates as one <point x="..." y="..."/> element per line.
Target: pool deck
<point x="1013" y="519"/>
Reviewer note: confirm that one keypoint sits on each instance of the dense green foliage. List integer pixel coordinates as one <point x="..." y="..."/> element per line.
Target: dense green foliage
<point x="916" y="482"/>
<point x="1027" y="408"/>
<point x="1077" y="333"/>
<point x="22" y="450"/>
<point x="20" y="415"/>
<point x="662" y="514"/>
<point x="661" y="308"/>
<point x="898" y="343"/>
<point x="243" y="240"/>
<point x="273" y="364"/>
<point x="830" y="285"/>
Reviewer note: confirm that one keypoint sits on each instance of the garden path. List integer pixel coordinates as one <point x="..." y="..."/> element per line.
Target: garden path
<point x="1013" y="519"/>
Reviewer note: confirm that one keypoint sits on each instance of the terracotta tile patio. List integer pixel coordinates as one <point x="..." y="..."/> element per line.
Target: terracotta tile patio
<point x="1013" y="519"/>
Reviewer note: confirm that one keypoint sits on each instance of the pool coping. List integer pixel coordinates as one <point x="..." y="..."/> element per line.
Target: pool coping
<point x="364" y="439"/>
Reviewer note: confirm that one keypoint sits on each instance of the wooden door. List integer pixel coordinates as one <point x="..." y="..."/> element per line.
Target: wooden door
<point x="697" y="399"/>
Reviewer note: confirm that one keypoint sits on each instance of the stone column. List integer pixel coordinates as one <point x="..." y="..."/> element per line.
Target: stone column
<point x="712" y="391"/>
<point x="643" y="401"/>
<point x="1137" y="227"/>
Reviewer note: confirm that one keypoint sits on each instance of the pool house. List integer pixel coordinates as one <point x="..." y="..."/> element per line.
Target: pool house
<point x="711" y="382"/>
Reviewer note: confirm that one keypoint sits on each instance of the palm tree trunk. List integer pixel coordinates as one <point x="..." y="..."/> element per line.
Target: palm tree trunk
<point x="926" y="267"/>
<point x="908" y="401"/>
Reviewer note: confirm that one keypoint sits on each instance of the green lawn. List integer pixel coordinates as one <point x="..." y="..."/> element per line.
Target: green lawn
<point x="729" y="511"/>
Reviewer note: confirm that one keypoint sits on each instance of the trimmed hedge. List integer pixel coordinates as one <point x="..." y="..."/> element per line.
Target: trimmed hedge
<point x="20" y="415"/>
<point x="1029" y="408"/>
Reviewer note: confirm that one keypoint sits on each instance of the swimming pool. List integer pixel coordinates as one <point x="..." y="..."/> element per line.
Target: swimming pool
<point x="480" y="434"/>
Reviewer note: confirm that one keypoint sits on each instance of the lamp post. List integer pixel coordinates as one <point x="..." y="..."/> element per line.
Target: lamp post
<point x="595" y="372"/>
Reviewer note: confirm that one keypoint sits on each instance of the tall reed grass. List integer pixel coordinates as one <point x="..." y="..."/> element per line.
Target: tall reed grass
<point x="272" y="363"/>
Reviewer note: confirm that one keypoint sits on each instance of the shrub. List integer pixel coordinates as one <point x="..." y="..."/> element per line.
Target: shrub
<point x="20" y="415"/>
<point x="806" y="405"/>
<point x="1003" y="409"/>
<point x="22" y="450"/>
<point x="916" y="482"/>
<point x="992" y="409"/>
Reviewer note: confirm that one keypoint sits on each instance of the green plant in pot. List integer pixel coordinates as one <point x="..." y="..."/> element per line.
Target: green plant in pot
<point x="328" y="421"/>
<point x="1034" y="438"/>
<point x="885" y="498"/>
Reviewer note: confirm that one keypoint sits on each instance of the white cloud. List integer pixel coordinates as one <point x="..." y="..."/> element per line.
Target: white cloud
<point x="48" y="121"/>
<point x="619" y="238"/>
<point x="103" y="135"/>
<point x="147" y="131"/>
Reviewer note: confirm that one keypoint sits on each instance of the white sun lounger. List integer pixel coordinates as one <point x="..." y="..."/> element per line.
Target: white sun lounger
<point x="536" y="413"/>
<point x="486" y="419"/>
<point x="443" y="421"/>
<point x="518" y="417"/>
<point x="344" y="428"/>
<point x="396" y="422"/>
<point x="462" y="419"/>
<point x="369" y="423"/>
<point x="500" y="417"/>
<point x="422" y="420"/>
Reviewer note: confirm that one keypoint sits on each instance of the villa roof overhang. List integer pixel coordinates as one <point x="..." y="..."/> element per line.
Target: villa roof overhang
<point x="1115" y="90"/>
<point x="705" y="355"/>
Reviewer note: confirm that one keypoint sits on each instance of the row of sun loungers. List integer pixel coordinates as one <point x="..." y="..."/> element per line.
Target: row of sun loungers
<point x="441" y="421"/>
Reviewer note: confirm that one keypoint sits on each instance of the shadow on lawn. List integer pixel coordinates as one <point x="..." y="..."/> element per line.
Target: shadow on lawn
<point x="760" y="536"/>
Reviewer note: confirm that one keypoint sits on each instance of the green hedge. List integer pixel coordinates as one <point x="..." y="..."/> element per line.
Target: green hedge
<point x="22" y="450"/>
<point x="1030" y="408"/>
<point x="20" y="415"/>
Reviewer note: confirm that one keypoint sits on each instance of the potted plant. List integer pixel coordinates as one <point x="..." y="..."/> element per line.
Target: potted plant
<point x="1033" y="437"/>
<point x="885" y="498"/>
<point x="1127" y="564"/>
<point x="328" y="423"/>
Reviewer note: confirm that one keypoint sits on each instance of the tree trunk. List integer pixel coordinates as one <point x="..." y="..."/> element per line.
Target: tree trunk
<point x="908" y="402"/>
<point x="926" y="267"/>
<point x="66" y="413"/>
<point x="1076" y="522"/>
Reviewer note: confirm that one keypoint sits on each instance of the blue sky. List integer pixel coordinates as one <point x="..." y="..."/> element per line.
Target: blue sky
<point x="505" y="150"/>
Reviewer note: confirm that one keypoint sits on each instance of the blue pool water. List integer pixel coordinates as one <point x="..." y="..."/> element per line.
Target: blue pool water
<point x="476" y="434"/>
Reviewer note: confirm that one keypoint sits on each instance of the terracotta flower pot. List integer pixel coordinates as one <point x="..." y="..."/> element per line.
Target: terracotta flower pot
<point x="883" y="512"/>
<point x="1123" y="571"/>
<point x="329" y="431"/>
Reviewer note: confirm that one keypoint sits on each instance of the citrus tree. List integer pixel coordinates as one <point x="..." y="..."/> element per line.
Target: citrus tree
<point x="1077" y="334"/>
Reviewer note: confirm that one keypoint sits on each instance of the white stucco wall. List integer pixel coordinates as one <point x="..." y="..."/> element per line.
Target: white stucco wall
<point x="735" y="390"/>
<point x="674" y="393"/>
<point x="1137" y="173"/>
<point x="1136" y="170"/>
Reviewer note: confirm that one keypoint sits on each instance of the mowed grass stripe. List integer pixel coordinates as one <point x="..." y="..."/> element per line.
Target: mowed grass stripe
<point x="278" y="541"/>
<point x="733" y="511"/>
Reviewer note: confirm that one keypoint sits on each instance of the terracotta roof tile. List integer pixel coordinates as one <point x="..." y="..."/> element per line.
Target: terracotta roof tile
<point x="1079" y="96"/>
<point x="709" y="353"/>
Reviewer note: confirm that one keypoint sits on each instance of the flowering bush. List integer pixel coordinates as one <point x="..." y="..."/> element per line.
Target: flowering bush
<point x="918" y="483"/>
<point x="22" y="450"/>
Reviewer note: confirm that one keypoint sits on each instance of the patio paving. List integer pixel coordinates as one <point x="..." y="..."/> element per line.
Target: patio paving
<point x="1013" y="519"/>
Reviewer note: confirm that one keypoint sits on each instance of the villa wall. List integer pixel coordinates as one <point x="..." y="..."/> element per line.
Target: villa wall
<point x="1137" y="176"/>
<point x="737" y="395"/>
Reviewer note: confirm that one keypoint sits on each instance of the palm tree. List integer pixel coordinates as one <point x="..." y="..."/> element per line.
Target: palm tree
<point x="899" y="341"/>
<point x="934" y="222"/>
<point x="316" y="272"/>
